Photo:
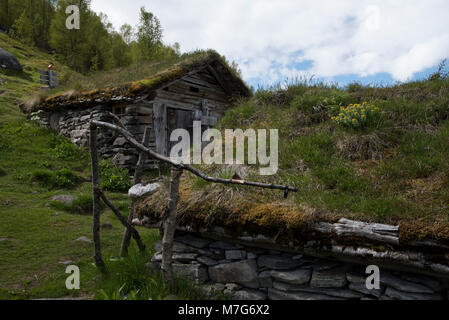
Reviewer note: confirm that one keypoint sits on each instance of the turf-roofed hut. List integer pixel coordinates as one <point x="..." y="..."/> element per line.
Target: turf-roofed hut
<point x="201" y="87"/>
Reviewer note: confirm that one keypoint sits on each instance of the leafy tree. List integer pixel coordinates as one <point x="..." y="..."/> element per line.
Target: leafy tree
<point x="69" y="42"/>
<point x="23" y="29"/>
<point x="149" y="35"/>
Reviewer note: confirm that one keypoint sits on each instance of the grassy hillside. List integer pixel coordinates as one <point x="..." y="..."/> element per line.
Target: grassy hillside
<point x="37" y="236"/>
<point x="368" y="153"/>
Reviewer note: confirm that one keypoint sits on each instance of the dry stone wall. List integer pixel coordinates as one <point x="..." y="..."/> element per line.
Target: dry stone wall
<point x="251" y="273"/>
<point x="74" y="125"/>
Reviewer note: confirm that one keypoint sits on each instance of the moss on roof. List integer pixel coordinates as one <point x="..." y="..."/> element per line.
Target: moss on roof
<point x="130" y="90"/>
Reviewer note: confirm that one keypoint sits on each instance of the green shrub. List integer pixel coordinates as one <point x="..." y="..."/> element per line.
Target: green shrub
<point x="65" y="150"/>
<point x="82" y="205"/>
<point x="66" y="179"/>
<point x="63" y="178"/>
<point x="113" y="178"/>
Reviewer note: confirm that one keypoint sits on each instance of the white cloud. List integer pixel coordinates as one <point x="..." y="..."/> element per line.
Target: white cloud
<point x="268" y="37"/>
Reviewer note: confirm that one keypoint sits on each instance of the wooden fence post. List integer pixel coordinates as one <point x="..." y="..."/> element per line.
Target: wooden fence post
<point x="137" y="179"/>
<point x="96" y="197"/>
<point x="170" y="225"/>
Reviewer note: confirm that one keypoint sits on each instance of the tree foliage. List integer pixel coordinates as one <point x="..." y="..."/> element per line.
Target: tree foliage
<point x="96" y="45"/>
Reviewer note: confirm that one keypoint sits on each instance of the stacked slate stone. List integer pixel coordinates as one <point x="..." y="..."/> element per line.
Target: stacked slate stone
<point x="74" y="125"/>
<point x="248" y="273"/>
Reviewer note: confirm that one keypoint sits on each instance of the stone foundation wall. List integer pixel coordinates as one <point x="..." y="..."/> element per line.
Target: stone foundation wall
<point x="250" y="273"/>
<point x="74" y="125"/>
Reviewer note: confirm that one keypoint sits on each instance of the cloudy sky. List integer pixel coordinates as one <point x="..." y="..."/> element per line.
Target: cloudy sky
<point x="378" y="41"/>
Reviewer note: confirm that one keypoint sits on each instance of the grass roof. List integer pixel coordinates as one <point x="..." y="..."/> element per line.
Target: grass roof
<point x="393" y="171"/>
<point x="130" y="82"/>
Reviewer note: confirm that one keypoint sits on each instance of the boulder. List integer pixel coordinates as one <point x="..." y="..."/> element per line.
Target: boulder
<point x="9" y="61"/>
<point x="242" y="272"/>
<point x="141" y="190"/>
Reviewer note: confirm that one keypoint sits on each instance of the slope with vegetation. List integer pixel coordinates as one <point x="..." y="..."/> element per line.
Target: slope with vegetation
<point x="38" y="236"/>
<point x="376" y="154"/>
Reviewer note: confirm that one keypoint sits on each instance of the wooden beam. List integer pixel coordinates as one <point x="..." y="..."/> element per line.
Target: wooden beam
<point x="222" y="82"/>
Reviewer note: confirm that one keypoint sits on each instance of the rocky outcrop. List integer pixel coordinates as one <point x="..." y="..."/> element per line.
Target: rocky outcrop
<point x="8" y="61"/>
<point x="245" y="272"/>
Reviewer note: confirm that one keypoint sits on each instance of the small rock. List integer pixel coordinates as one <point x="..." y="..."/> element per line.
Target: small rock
<point x="251" y="255"/>
<point x="242" y="272"/>
<point x="66" y="199"/>
<point x="338" y="293"/>
<point x="232" y="286"/>
<point x="106" y="225"/>
<point x="328" y="279"/>
<point x="277" y="263"/>
<point x="361" y="287"/>
<point x="213" y="289"/>
<point x="249" y="295"/>
<point x="265" y="280"/>
<point x="427" y="281"/>
<point x="400" y="295"/>
<point x="300" y="276"/>
<point x="403" y="285"/>
<point x="177" y="247"/>
<point x="224" y="245"/>
<point x="178" y="257"/>
<point x="193" y="241"/>
<point x="140" y="190"/>
<point x="274" y="294"/>
<point x="235" y="254"/>
<point x="194" y="272"/>
<point x="207" y="261"/>
<point x="84" y="239"/>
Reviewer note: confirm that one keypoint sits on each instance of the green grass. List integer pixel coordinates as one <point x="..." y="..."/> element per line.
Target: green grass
<point x="37" y="234"/>
<point x="390" y="173"/>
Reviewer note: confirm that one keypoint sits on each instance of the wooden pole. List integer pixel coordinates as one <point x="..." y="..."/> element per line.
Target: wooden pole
<point x="188" y="167"/>
<point x="123" y="220"/>
<point x="96" y="197"/>
<point x="137" y="179"/>
<point x="170" y="225"/>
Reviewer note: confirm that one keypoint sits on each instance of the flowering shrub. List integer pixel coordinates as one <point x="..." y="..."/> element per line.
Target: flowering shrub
<point x="359" y="115"/>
